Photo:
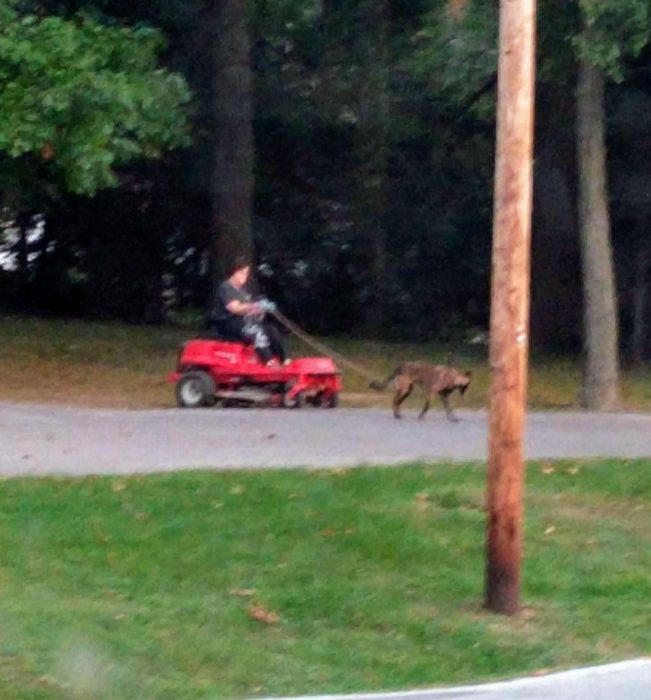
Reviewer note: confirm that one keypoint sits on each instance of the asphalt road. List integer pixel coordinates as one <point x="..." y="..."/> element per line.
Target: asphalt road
<point x="62" y="440"/>
<point x="630" y="680"/>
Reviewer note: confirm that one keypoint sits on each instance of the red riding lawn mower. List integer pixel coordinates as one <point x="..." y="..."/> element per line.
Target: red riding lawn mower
<point x="211" y="372"/>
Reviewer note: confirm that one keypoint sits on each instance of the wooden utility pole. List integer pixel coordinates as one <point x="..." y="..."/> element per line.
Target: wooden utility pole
<point x="509" y="328"/>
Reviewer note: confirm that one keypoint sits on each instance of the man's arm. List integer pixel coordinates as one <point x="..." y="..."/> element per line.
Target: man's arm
<point x="242" y="308"/>
<point x="236" y="301"/>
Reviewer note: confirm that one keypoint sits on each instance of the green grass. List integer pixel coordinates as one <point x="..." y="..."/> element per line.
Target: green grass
<point x="141" y="587"/>
<point x="111" y="364"/>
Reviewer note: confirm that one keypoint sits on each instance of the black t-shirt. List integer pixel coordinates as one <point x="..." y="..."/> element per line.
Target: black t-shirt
<point x="226" y="293"/>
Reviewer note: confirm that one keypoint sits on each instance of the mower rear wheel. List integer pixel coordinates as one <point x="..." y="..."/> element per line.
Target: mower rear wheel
<point x="297" y="402"/>
<point x="331" y="401"/>
<point x="195" y="389"/>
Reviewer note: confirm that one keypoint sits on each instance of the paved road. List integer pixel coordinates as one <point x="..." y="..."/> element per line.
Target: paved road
<point x="60" y="440"/>
<point x="630" y="680"/>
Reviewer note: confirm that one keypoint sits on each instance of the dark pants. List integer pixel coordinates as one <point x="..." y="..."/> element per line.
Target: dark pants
<point x="233" y="328"/>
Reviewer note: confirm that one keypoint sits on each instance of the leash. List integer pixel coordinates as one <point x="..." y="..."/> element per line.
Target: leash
<point x="321" y="347"/>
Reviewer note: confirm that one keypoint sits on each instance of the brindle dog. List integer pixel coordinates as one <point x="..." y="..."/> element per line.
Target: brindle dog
<point x="434" y="379"/>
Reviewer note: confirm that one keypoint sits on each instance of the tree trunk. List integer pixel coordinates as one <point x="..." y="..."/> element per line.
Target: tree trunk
<point x="373" y="156"/>
<point x="601" y="332"/>
<point x="638" y="339"/>
<point x="233" y="180"/>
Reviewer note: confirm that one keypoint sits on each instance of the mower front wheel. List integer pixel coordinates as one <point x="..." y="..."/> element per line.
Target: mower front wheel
<point x="326" y="399"/>
<point x="195" y="389"/>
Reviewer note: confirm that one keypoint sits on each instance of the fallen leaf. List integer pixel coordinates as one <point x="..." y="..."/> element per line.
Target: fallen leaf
<point x="237" y="490"/>
<point x="550" y="530"/>
<point x="242" y="592"/>
<point x="49" y="680"/>
<point x="328" y="532"/>
<point x="261" y="614"/>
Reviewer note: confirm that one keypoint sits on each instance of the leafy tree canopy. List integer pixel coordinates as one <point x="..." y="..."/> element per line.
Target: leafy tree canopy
<point x="614" y="32"/>
<point x="81" y="98"/>
<point x="457" y="47"/>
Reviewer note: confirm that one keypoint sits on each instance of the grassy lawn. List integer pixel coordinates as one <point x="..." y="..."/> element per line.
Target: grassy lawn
<point x="104" y="364"/>
<point x="148" y="587"/>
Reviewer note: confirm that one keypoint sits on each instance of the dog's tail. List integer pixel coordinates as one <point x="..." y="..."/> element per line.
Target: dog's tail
<point x="380" y="386"/>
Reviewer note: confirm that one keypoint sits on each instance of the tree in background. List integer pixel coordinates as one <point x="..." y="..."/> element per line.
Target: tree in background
<point x="367" y="190"/>
<point x="233" y="179"/>
<point x="366" y="84"/>
<point x="373" y="127"/>
<point x="80" y="99"/>
<point x="599" y="38"/>
<point x="610" y="32"/>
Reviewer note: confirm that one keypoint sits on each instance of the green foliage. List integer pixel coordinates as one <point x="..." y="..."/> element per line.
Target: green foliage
<point x="456" y="55"/>
<point x="83" y="98"/>
<point x="458" y="50"/>
<point x="333" y="96"/>
<point x="614" y="32"/>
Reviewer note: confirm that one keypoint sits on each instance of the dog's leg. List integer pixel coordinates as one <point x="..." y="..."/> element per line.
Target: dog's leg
<point x="428" y="400"/>
<point x="445" y="397"/>
<point x="400" y="395"/>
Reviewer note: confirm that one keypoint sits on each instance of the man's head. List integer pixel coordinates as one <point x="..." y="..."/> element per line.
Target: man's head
<point x="240" y="271"/>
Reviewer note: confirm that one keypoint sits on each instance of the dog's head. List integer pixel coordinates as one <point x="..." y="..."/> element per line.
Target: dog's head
<point x="462" y="381"/>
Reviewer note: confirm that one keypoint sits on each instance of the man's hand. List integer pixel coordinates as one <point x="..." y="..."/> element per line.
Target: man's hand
<point x="266" y="306"/>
